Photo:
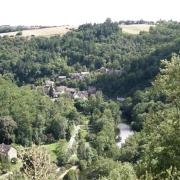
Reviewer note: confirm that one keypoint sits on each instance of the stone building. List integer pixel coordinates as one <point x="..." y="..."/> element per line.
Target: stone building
<point x="7" y="152"/>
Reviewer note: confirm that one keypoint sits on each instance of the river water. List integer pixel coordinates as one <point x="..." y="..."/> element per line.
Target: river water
<point x="125" y="132"/>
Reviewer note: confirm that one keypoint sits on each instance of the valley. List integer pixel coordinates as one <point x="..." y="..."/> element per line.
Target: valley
<point x="100" y="101"/>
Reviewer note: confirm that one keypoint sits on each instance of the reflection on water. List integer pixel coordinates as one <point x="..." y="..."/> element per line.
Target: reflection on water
<point x="125" y="132"/>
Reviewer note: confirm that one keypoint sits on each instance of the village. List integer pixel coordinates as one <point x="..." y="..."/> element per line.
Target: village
<point x="53" y="90"/>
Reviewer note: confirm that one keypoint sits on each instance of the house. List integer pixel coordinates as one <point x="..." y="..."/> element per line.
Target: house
<point x="114" y="71"/>
<point x="109" y="71"/>
<point x="79" y="76"/>
<point x="7" y="152"/>
<point x="75" y="75"/>
<point x="91" y="90"/>
<point x="61" y="78"/>
<point x="64" y="89"/>
<point x="49" y="83"/>
<point x="103" y="70"/>
<point x="81" y="95"/>
<point x="60" y="89"/>
<point x="55" y="94"/>
<point x="86" y="73"/>
<point x="121" y="99"/>
<point x="70" y="90"/>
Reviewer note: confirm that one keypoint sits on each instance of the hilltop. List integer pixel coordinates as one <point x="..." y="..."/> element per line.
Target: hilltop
<point x="48" y="31"/>
<point x="45" y="31"/>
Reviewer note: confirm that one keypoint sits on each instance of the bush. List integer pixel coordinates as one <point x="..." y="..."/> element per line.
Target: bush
<point x="14" y="160"/>
<point x="19" y="33"/>
<point x="82" y="165"/>
<point x="73" y="160"/>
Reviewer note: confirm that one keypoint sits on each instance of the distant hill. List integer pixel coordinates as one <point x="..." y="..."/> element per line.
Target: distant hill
<point x="61" y="30"/>
<point x="47" y="31"/>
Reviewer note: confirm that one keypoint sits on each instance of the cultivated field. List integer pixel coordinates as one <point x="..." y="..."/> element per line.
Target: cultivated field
<point x="135" y="28"/>
<point x="50" y="31"/>
<point x="61" y="30"/>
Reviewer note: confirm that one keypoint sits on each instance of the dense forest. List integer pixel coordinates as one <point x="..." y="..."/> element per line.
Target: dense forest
<point x="143" y="70"/>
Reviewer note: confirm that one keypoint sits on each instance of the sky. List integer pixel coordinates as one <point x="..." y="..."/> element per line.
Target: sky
<point x="75" y="12"/>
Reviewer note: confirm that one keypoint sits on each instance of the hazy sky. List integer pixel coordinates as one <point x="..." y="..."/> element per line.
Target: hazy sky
<point x="74" y="12"/>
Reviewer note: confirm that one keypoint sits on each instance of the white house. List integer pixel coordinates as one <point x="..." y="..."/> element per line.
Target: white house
<point x="86" y="73"/>
<point x="61" y="78"/>
<point x="7" y="152"/>
<point x="121" y="99"/>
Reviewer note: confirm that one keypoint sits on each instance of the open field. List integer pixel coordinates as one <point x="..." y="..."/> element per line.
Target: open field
<point x="61" y="30"/>
<point x="135" y="28"/>
<point x="50" y="31"/>
<point x="51" y="149"/>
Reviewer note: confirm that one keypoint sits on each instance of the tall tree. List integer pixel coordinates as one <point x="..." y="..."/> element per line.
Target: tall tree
<point x="7" y="128"/>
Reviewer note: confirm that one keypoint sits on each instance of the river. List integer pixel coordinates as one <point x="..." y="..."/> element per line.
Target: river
<point x="125" y="132"/>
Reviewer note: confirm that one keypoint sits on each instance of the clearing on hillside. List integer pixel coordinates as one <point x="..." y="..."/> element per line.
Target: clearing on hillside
<point x="50" y="31"/>
<point x="135" y="28"/>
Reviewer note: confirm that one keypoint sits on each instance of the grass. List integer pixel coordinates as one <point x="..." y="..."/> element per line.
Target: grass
<point x="16" y="167"/>
<point x="135" y="28"/>
<point x="51" y="148"/>
<point x="61" y="30"/>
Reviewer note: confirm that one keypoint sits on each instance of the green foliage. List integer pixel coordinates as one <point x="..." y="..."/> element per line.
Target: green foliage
<point x="7" y="128"/>
<point x="62" y="152"/>
<point x="110" y="169"/>
<point x="19" y="33"/>
<point x="91" y="47"/>
<point x="27" y="116"/>
<point x="156" y="148"/>
<point x="85" y="152"/>
<point x="104" y="116"/>
<point x="34" y="117"/>
<point x="7" y="28"/>
<point x="58" y="127"/>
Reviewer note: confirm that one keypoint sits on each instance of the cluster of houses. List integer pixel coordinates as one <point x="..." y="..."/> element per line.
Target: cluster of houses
<point x="109" y="71"/>
<point x="74" y="76"/>
<point x="72" y="92"/>
<point x="85" y="74"/>
<point x="57" y="91"/>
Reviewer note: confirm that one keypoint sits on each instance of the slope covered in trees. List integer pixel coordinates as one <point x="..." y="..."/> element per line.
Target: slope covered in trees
<point x="28" y="117"/>
<point x="156" y="148"/>
<point x="91" y="47"/>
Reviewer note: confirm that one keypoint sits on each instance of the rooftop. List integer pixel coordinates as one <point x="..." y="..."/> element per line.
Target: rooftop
<point x="4" y="148"/>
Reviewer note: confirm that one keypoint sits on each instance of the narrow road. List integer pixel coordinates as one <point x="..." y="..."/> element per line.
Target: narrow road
<point x="73" y="140"/>
<point x="72" y="168"/>
<point x="69" y="146"/>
